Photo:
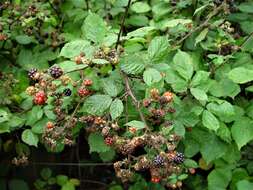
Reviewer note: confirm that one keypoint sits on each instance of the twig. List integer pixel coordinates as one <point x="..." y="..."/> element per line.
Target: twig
<point x="135" y="101"/>
<point x="206" y="23"/>
<point x="122" y="23"/>
<point x="87" y="4"/>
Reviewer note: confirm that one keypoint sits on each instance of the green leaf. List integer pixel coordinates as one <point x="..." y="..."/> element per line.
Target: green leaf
<point x="210" y="121"/>
<point x="30" y="138"/>
<point x="46" y="173"/>
<point x="116" y="108"/>
<point x="201" y="36"/>
<point x="132" y="64"/>
<point x="170" y="23"/>
<point x="34" y="115"/>
<point x="94" y="28"/>
<point x="97" y="104"/>
<point x="108" y="155"/>
<point x="224" y="133"/>
<point x="246" y="7"/>
<point x="242" y="131"/>
<point x="219" y="179"/>
<point x="241" y="75"/>
<point x="68" y="186"/>
<point x="4" y="116"/>
<point x="199" y="78"/>
<point x="190" y="163"/>
<point x="136" y="124"/>
<point x="70" y="66"/>
<point x="74" y="48"/>
<point x="61" y="179"/>
<point x="110" y="87"/>
<point x="183" y="64"/>
<point x="224" y="109"/>
<point x="199" y="94"/>
<point x="244" y="185"/>
<point x="158" y="48"/>
<point x="96" y="143"/>
<point x="151" y="76"/>
<point x="177" y="82"/>
<point x="140" y="7"/>
<point x="23" y="39"/>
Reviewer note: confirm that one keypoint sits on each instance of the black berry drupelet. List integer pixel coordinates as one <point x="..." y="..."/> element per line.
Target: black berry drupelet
<point x="32" y="72"/>
<point x="179" y="158"/>
<point x="158" y="160"/>
<point x="55" y="72"/>
<point x="67" y="92"/>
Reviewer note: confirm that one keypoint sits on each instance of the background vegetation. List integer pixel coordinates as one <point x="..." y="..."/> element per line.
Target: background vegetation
<point x="121" y="94"/>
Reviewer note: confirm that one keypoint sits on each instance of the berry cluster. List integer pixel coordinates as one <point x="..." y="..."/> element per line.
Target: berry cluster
<point x="158" y="106"/>
<point x="158" y="161"/>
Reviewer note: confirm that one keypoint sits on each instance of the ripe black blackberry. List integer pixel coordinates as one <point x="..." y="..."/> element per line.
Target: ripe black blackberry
<point x="55" y="72"/>
<point x="158" y="160"/>
<point x="31" y="73"/>
<point x="67" y="92"/>
<point x="179" y="158"/>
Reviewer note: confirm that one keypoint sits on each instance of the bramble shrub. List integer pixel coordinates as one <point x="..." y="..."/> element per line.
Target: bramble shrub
<point x="160" y="90"/>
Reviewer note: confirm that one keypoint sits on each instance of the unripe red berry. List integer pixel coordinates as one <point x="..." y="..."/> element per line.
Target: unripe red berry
<point x="50" y="125"/>
<point x="83" y="92"/>
<point x="146" y="103"/>
<point x="155" y="179"/>
<point x="132" y="129"/>
<point x="108" y="141"/>
<point x="192" y="170"/>
<point x="40" y="98"/>
<point x="87" y="82"/>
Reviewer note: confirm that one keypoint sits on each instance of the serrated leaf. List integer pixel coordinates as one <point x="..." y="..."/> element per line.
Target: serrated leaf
<point x="201" y="36"/>
<point x="246" y="7"/>
<point x="183" y="64"/>
<point x="97" y="104"/>
<point x="244" y="185"/>
<point x="96" y="143"/>
<point x="158" y="48"/>
<point x="189" y="163"/>
<point x="219" y="179"/>
<point x="4" y="116"/>
<point x="116" y="108"/>
<point x="70" y="66"/>
<point x="151" y="76"/>
<point x="108" y="155"/>
<point x="74" y="48"/>
<point x="30" y="138"/>
<point x="94" y="28"/>
<point x="110" y="87"/>
<point x="132" y="64"/>
<point x="242" y="131"/>
<point x="136" y="124"/>
<point x="34" y="115"/>
<point x="23" y="39"/>
<point x="210" y="121"/>
<point x="140" y="7"/>
<point x="177" y="82"/>
<point x="241" y="75"/>
<point x="199" y="78"/>
<point x="199" y="94"/>
<point x="68" y="186"/>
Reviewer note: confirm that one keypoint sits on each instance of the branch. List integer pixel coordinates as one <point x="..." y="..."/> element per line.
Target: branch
<point x="206" y="23"/>
<point x="135" y="101"/>
<point x="122" y="23"/>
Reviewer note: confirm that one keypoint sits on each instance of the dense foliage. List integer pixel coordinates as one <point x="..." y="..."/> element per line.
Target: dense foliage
<point x="161" y="90"/>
